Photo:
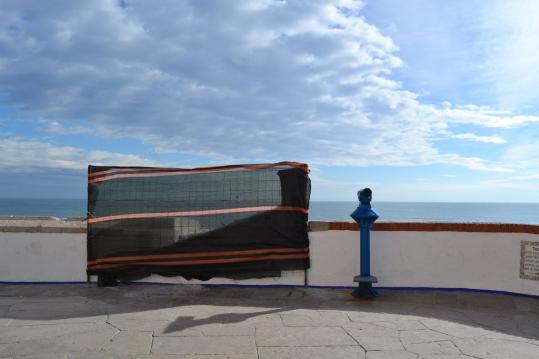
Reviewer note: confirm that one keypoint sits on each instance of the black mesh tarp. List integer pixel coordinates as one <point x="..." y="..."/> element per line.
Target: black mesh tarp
<point x="241" y="221"/>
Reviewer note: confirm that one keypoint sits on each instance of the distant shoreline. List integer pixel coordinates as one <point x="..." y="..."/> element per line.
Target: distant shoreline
<point x="521" y="213"/>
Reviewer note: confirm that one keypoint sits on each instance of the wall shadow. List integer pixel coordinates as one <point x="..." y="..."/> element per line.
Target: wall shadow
<point x="503" y="314"/>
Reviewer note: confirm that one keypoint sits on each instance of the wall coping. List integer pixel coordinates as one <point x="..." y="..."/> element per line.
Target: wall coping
<point x="316" y="226"/>
<point x="28" y="224"/>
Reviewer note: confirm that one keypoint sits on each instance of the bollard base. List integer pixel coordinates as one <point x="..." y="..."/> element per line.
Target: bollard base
<point x="365" y="291"/>
<point x="365" y="279"/>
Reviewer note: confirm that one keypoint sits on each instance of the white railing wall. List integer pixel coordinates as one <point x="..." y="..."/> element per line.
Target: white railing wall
<point x="54" y="250"/>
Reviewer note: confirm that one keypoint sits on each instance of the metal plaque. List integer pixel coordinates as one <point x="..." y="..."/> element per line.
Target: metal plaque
<point x="529" y="260"/>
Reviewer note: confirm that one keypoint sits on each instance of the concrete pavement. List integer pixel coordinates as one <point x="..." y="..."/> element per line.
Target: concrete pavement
<point x="196" y="322"/>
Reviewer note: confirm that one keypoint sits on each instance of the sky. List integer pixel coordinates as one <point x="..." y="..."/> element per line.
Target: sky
<point x="421" y="100"/>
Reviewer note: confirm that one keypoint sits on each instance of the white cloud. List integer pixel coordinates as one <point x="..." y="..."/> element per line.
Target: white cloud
<point x="530" y="177"/>
<point x="523" y="156"/>
<point x="484" y="117"/>
<point x="28" y="155"/>
<point x="474" y="137"/>
<point x="510" y="31"/>
<point x="59" y="128"/>
<point x="265" y="81"/>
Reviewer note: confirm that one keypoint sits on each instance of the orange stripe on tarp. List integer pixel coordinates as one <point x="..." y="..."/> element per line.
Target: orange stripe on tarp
<point x="204" y="261"/>
<point x="197" y="213"/>
<point x="198" y="254"/>
<point x="133" y="169"/>
<point x="241" y="166"/>
<point x="179" y="171"/>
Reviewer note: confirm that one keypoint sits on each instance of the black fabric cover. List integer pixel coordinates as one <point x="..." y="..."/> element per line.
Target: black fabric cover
<point x="243" y="221"/>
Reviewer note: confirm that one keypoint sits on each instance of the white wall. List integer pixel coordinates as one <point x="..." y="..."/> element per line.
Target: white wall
<point x="399" y="259"/>
<point x="42" y="257"/>
<point x="423" y="259"/>
<point x="29" y="255"/>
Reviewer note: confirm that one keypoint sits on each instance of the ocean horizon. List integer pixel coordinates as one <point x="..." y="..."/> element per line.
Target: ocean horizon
<point x="527" y="213"/>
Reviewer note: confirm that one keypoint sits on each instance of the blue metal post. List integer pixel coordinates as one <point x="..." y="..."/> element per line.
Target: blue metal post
<point x="365" y="248"/>
<point x="365" y="216"/>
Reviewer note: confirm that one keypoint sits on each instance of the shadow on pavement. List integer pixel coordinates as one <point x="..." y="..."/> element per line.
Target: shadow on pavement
<point x="182" y="307"/>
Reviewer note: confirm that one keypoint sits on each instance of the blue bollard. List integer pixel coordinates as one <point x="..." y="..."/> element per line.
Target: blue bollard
<point x="365" y="216"/>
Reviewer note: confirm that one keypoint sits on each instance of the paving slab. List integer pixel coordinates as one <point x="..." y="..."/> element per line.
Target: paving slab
<point x="486" y="300"/>
<point x="41" y="343"/>
<point x="497" y="349"/>
<point x="444" y="356"/>
<point x="204" y="345"/>
<point x="391" y="354"/>
<point x="432" y="348"/>
<point x="94" y="355"/>
<point x="214" y="329"/>
<point x="42" y="356"/>
<point x="14" y="334"/>
<point x="440" y="311"/>
<point x="382" y="313"/>
<point x="527" y="305"/>
<point x="446" y="298"/>
<point x="422" y="336"/>
<point x="302" y="337"/>
<point x="197" y="322"/>
<point x="140" y="312"/>
<point x="458" y="330"/>
<point x="312" y="318"/>
<point x="343" y="352"/>
<point x="138" y="325"/>
<point x="18" y="322"/>
<point x="129" y="343"/>
<point x="197" y="356"/>
<point x="5" y="321"/>
<point x="226" y="330"/>
<point x="402" y="324"/>
<point x="373" y="337"/>
<point x="3" y="348"/>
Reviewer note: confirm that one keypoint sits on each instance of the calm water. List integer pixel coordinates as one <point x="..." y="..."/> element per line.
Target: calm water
<point x="433" y="211"/>
<point x="43" y="207"/>
<point x="340" y="211"/>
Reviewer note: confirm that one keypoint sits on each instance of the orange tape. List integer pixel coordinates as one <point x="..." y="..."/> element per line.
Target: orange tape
<point x="198" y="254"/>
<point x="179" y="171"/>
<point x="196" y="213"/>
<point x="203" y="261"/>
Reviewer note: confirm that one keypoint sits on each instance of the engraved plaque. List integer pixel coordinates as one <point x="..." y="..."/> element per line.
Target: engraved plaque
<point x="529" y="260"/>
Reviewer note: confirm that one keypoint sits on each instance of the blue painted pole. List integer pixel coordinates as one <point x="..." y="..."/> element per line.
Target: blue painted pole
<point x="365" y="216"/>
<point x="365" y="248"/>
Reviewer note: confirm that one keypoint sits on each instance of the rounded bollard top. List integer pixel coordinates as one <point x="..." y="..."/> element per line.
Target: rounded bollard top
<point x="364" y="213"/>
<point x="364" y="195"/>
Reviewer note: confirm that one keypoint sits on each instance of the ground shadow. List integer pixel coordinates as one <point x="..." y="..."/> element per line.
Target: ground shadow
<point x="187" y="322"/>
<point x="503" y="314"/>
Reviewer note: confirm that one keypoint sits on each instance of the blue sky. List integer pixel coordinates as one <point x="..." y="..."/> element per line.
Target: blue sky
<point x="421" y="100"/>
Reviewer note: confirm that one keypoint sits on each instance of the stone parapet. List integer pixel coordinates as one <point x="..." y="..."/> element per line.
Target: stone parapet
<point x="19" y="224"/>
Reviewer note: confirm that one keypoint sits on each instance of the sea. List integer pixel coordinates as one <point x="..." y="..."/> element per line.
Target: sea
<point x="326" y="210"/>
